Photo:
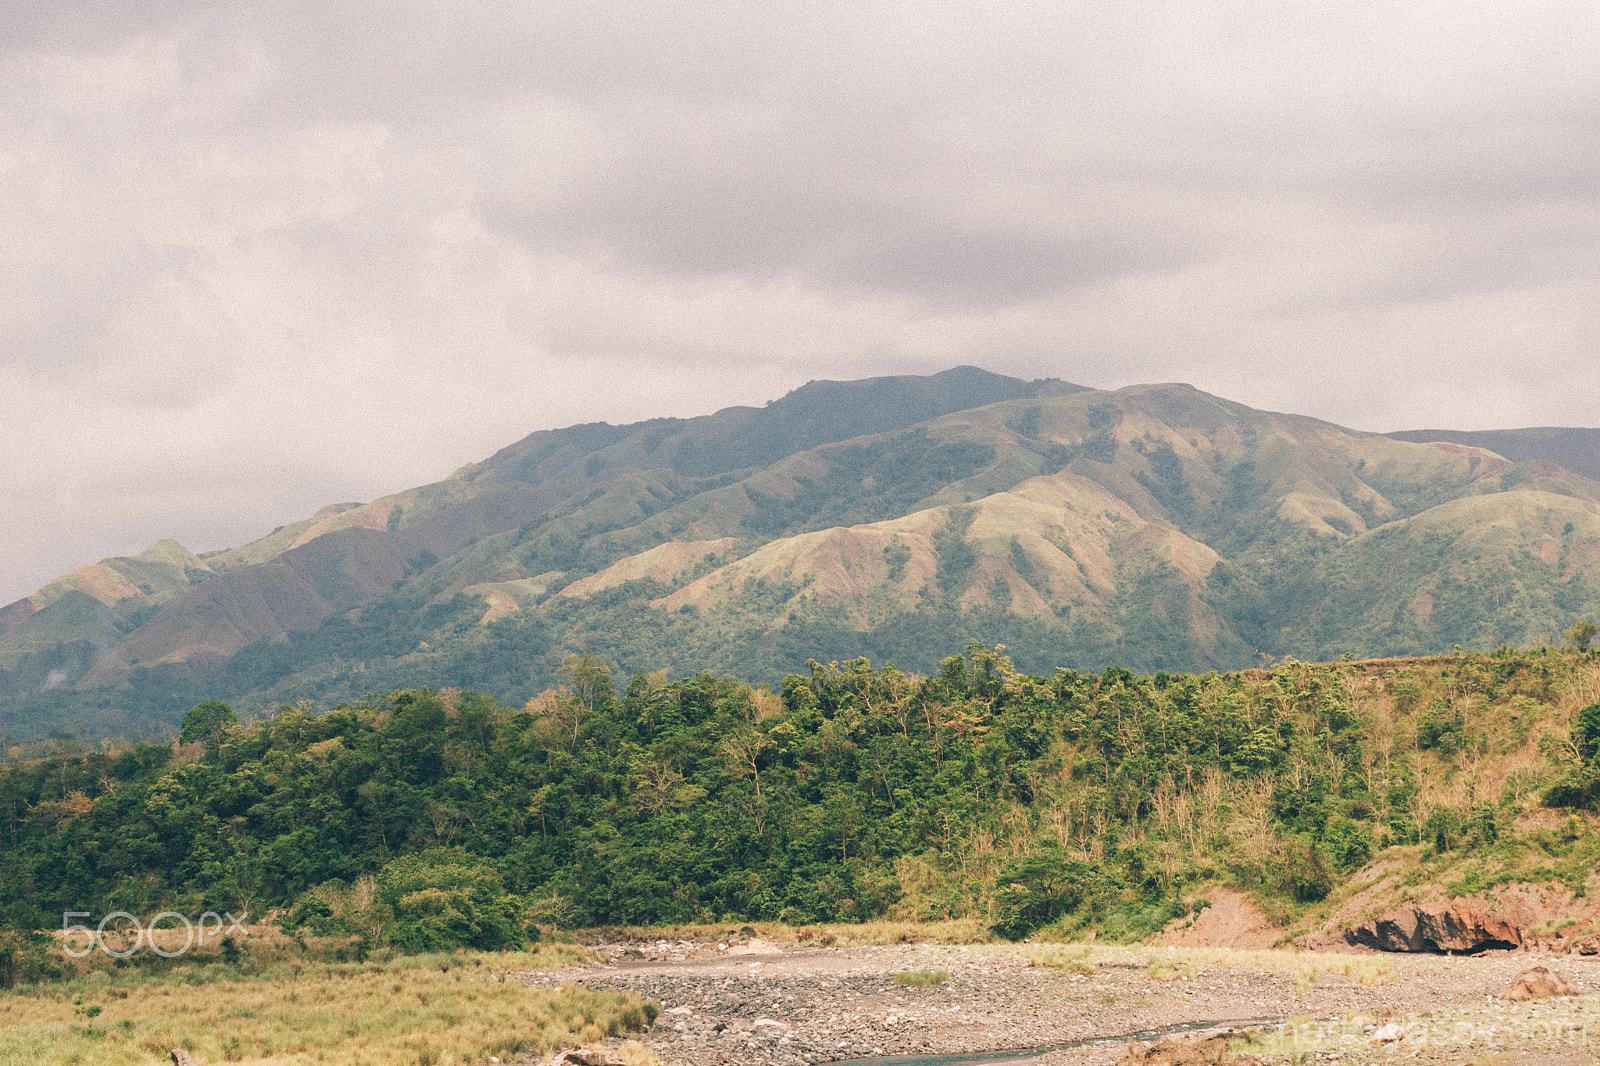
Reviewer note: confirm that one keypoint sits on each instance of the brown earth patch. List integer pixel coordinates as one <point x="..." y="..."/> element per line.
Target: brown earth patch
<point x="14" y="614"/>
<point x="1422" y="607"/>
<point x="1232" y="921"/>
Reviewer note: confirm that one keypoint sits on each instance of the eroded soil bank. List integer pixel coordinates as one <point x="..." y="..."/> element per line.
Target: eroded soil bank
<point x="765" y="1005"/>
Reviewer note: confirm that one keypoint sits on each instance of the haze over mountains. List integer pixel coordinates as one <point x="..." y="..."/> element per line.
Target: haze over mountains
<point x="1154" y="526"/>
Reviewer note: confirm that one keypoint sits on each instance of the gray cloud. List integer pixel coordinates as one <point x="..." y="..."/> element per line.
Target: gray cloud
<point x="261" y="257"/>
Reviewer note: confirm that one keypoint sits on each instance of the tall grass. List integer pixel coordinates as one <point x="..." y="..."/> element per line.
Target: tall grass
<point x="1305" y="967"/>
<point x="921" y="978"/>
<point x="1074" y="958"/>
<point x="434" y="1010"/>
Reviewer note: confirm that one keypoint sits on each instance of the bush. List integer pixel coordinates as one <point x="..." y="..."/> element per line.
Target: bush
<point x="1579" y="786"/>
<point x="1443" y="829"/>
<point x="1347" y="843"/>
<point x="1586" y="730"/>
<point x="444" y="899"/>
<point x="1309" y="876"/>
<point x="921" y="978"/>
<point x="1045" y="887"/>
<point x="312" y="914"/>
<point x="1442" y="730"/>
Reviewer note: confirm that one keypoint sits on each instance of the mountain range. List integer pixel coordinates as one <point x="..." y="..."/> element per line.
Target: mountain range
<point x="1154" y="527"/>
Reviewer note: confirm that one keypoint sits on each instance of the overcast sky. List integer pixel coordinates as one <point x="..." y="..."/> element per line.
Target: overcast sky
<point x="255" y="258"/>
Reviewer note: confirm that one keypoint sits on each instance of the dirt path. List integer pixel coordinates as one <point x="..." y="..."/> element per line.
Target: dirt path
<point x="813" y="1005"/>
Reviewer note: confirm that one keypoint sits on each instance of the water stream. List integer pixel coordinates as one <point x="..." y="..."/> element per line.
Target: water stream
<point x="1022" y="1054"/>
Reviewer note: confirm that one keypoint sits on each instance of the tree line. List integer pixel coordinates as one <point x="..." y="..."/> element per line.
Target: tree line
<point x="1076" y="801"/>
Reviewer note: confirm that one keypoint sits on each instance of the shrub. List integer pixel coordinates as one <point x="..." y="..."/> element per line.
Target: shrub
<point x="921" y="978"/>
<point x="1073" y="958"/>
<point x="1347" y="843"/>
<point x="445" y="899"/>
<point x="1309" y="878"/>
<point x="1443" y="828"/>
<point x="312" y="914"/>
<point x="1046" y="886"/>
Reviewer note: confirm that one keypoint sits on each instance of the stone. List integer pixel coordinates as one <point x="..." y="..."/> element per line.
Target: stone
<point x="1387" y="1034"/>
<point x="588" y="1056"/>
<point x="1444" y="927"/>
<point x="1539" y="982"/>
<point x="181" y="1057"/>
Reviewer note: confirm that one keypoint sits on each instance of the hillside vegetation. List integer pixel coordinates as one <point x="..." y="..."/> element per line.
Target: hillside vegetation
<point x="1155" y="527"/>
<point x="1077" y="802"/>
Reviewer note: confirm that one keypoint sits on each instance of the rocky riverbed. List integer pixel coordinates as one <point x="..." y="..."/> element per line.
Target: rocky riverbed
<point x="759" y="1004"/>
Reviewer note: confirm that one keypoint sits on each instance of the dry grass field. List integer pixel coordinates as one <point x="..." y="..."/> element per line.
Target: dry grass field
<point x="421" y="1010"/>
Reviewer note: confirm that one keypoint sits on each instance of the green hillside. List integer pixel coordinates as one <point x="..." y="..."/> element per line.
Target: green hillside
<point x="1154" y="527"/>
<point x="1105" y="802"/>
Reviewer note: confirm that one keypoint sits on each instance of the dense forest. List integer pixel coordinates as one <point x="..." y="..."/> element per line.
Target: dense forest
<point x="1104" y="802"/>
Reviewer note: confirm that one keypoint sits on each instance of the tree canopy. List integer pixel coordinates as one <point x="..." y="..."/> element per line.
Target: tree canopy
<point x="1080" y="800"/>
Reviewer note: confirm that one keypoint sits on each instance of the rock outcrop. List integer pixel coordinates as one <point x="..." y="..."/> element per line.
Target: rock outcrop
<point x="1445" y="927"/>
<point x="1539" y="982"/>
<point x="1589" y="945"/>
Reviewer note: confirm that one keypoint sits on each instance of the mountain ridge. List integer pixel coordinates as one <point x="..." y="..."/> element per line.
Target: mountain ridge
<point x="1155" y="526"/>
<point x="1574" y="448"/>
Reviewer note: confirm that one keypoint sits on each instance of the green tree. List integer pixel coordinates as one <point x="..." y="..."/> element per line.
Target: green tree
<point x="1579" y="636"/>
<point x="207" y="723"/>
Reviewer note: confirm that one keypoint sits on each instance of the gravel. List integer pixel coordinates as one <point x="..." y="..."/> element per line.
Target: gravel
<point x="759" y="1005"/>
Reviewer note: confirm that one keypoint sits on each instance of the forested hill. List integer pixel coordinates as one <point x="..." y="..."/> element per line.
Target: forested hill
<point x="1153" y="527"/>
<point x="1071" y="800"/>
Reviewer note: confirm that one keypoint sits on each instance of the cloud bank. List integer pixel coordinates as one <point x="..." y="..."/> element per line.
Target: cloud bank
<point x="262" y="257"/>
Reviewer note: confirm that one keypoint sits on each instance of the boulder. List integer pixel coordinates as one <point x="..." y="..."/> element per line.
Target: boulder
<point x="181" y="1057"/>
<point x="1539" y="982"/>
<point x="1387" y="1034"/>
<point x="1445" y="927"/>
